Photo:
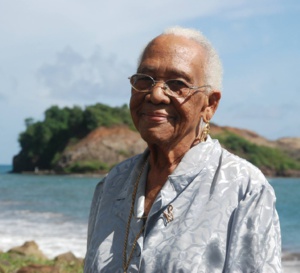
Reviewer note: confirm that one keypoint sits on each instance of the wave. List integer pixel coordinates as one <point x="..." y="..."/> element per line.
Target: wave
<point x="53" y="232"/>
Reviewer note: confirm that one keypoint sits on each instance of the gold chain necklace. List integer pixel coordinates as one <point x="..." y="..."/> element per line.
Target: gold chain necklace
<point x="125" y="260"/>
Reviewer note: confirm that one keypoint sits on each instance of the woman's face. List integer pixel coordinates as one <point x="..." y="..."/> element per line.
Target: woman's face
<point x="164" y="120"/>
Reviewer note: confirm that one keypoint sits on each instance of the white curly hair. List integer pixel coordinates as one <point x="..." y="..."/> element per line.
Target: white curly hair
<point x="213" y="69"/>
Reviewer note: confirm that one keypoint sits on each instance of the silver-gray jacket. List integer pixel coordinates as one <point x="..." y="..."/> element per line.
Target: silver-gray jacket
<point x="224" y="218"/>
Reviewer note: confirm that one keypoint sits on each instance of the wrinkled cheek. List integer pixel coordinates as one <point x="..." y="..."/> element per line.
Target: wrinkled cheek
<point x="134" y="104"/>
<point x="135" y="120"/>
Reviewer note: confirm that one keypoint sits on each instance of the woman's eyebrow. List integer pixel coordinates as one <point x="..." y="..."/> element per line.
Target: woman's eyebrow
<point x="174" y="73"/>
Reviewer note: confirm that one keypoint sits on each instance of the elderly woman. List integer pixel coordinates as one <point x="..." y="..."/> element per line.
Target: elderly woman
<point x="185" y="204"/>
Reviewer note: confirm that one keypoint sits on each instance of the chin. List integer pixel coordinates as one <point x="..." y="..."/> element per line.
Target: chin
<point x="155" y="137"/>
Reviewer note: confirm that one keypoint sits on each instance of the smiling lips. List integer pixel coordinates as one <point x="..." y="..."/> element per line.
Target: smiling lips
<point x="156" y="116"/>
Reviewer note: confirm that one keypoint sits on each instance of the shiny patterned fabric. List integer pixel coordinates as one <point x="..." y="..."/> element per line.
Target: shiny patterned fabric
<point x="224" y="218"/>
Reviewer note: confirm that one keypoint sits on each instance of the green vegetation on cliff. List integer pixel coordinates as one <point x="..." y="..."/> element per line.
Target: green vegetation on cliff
<point x="43" y="141"/>
<point x="87" y="166"/>
<point x="270" y="160"/>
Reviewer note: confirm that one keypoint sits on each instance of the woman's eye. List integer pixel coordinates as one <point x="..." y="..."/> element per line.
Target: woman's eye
<point x="145" y="81"/>
<point x="176" y="85"/>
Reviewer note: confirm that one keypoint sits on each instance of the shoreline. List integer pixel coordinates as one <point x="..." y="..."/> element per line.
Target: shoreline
<point x="103" y="173"/>
<point x="290" y="262"/>
<point x="289" y="256"/>
<point x="51" y="173"/>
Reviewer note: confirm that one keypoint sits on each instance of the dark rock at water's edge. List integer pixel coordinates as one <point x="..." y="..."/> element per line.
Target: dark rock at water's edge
<point x="29" y="248"/>
<point x="97" y="152"/>
<point x="34" y="268"/>
<point x="289" y="256"/>
<point x="28" y="258"/>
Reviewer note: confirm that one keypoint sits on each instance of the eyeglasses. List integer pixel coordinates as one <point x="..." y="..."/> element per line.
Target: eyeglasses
<point x="174" y="88"/>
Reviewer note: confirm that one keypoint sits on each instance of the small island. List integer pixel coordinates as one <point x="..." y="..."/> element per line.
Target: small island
<point x="94" y="139"/>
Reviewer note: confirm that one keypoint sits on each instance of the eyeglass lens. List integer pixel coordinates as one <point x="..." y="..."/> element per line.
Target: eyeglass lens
<point x="144" y="82"/>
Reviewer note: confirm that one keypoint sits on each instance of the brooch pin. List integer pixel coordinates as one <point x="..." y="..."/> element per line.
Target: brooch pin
<point x="168" y="214"/>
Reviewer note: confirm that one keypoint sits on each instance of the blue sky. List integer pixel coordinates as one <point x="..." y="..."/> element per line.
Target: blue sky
<point x="66" y="53"/>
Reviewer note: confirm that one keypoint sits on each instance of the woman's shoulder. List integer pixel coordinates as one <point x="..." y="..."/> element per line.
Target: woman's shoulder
<point x="248" y="180"/>
<point x="124" y="166"/>
<point x="121" y="171"/>
<point x="233" y="163"/>
<point x="243" y="171"/>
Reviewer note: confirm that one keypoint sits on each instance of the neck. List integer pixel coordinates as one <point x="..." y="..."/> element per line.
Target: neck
<point x="164" y="159"/>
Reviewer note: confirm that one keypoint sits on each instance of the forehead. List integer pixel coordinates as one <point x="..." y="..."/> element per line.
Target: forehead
<point x="173" y="55"/>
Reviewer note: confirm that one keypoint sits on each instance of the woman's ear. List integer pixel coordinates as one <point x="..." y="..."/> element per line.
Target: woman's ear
<point x="213" y="102"/>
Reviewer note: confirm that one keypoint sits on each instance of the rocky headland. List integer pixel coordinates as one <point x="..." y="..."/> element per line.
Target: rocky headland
<point x="104" y="147"/>
<point x="112" y="145"/>
<point x="95" y="138"/>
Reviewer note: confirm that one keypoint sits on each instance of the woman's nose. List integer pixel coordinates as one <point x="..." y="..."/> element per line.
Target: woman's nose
<point x="158" y="93"/>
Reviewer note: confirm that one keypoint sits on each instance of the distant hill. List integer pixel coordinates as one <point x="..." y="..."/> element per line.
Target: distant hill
<point x="275" y="158"/>
<point x="75" y="140"/>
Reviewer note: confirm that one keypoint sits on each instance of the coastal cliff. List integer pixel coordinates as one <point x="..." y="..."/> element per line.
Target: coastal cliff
<point x="107" y="146"/>
<point x="72" y="140"/>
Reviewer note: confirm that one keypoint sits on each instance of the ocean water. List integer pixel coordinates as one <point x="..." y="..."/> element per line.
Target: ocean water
<point x="53" y="211"/>
<point x="288" y="203"/>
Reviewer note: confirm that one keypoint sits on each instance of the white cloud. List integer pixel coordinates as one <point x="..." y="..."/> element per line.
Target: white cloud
<point x="116" y="19"/>
<point x="87" y="79"/>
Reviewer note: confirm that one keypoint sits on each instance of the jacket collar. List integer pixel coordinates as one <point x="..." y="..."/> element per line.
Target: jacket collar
<point x="193" y="163"/>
